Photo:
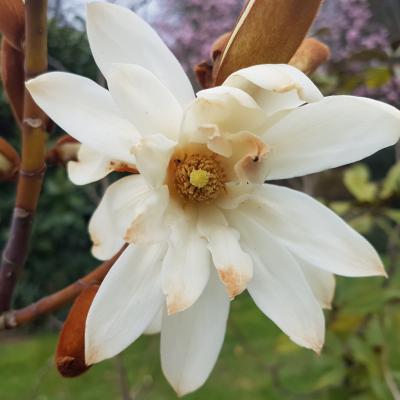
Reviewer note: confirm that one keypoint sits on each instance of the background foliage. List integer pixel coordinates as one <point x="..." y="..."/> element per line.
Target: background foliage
<point x="361" y="359"/>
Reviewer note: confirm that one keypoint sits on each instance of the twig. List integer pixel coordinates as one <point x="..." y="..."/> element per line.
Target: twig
<point x="15" y="318"/>
<point x="33" y="153"/>
<point x="122" y="378"/>
<point x="388" y="376"/>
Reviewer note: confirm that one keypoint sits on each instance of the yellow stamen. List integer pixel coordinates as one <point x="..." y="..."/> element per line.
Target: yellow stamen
<point x="199" y="178"/>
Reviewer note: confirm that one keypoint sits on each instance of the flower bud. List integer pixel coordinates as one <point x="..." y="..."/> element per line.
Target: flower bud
<point x="310" y="55"/>
<point x="9" y="161"/>
<point x="70" y="353"/>
<point x="65" y="149"/>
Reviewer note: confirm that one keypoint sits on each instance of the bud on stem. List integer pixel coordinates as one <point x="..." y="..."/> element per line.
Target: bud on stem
<point x="70" y="353"/>
<point x="9" y="161"/>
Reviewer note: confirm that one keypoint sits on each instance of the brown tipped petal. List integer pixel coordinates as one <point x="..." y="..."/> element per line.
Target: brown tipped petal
<point x="268" y="32"/>
<point x="12" y="75"/>
<point x="12" y="21"/>
<point x="310" y="55"/>
<point x="70" y="353"/>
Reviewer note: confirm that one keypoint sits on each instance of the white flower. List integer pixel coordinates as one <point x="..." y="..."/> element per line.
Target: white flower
<point x="199" y="204"/>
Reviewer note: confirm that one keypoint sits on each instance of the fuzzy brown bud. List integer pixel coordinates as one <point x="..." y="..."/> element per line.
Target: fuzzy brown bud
<point x="65" y="149"/>
<point x="310" y="55"/>
<point x="70" y="353"/>
<point x="9" y="161"/>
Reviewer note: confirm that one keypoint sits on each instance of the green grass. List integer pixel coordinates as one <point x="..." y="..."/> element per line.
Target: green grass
<point x="257" y="362"/>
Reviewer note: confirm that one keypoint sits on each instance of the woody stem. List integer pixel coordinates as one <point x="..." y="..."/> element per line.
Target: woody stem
<point x="33" y="155"/>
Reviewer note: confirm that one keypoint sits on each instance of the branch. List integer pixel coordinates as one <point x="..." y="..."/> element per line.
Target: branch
<point x="15" y="318"/>
<point x="33" y="153"/>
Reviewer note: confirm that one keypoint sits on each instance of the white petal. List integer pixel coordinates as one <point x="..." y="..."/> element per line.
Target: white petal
<point x="147" y="218"/>
<point x="234" y="266"/>
<point x="335" y="131"/>
<point x="191" y="340"/>
<point x="114" y="214"/>
<point x="86" y="111"/>
<point x="153" y="154"/>
<point x="90" y="167"/>
<point x="313" y="232"/>
<point x="249" y="158"/>
<point x="279" y="288"/>
<point x="128" y="299"/>
<point x="155" y="325"/>
<point x="229" y="109"/>
<point x="275" y="87"/>
<point x="235" y="194"/>
<point x="186" y="266"/>
<point x="144" y="100"/>
<point x="321" y="282"/>
<point x="117" y="35"/>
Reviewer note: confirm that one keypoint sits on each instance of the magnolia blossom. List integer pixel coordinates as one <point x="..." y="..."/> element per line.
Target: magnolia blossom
<point x="200" y="223"/>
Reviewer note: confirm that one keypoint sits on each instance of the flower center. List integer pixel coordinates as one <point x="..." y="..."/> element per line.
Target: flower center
<point x="199" y="177"/>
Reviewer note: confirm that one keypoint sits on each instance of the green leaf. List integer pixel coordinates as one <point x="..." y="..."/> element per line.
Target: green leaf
<point x="340" y="207"/>
<point x="357" y="182"/>
<point x="391" y="184"/>
<point x="377" y="77"/>
<point x="393" y="214"/>
<point x="362" y="224"/>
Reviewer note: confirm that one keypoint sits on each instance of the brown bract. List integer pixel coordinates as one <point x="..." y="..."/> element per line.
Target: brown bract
<point x="70" y="353"/>
<point x="268" y="32"/>
<point x="12" y="75"/>
<point x="12" y="21"/>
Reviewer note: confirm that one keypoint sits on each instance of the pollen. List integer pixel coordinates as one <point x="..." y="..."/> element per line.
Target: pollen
<point x="199" y="178"/>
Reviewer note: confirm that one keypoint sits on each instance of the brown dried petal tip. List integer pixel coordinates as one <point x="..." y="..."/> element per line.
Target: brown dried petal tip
<point x="70" y="353"/>
<point x="310" y="55"/>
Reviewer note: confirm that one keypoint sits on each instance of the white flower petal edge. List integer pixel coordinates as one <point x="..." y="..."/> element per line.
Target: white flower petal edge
<point x="312" y="231"/>
<point x="335" y="131"/>
<point x="234" y="266"/>
<point x="115" y="213"/>
<point x="117" y="35"/>
<point x="155" y="325"/>
<point x="275" y="87"/>
<point x="227" y="108"/>
<point x="153" y="154"/>
<point x="191" y="340"/>
<point x="86" y="111"/>
<point x="144" y="100"/>
<point x="91" y="166"/>
<point x="134" y="286"/>
<point x="279" y="287"/>
<point x="321" y="282"/>
<point x="186" y="267"/>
